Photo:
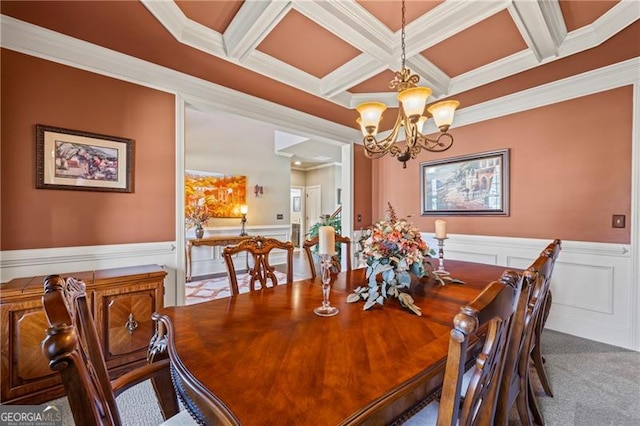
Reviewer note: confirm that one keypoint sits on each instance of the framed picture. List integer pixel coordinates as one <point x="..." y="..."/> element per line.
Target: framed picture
<point x="296" y="204"/>
<point x="221" y="195"/>
<point x="76" y="160"/>
<point x="476" y="184"/>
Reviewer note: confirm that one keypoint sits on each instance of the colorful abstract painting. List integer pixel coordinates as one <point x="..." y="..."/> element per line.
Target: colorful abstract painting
<point x="220" y="195"/>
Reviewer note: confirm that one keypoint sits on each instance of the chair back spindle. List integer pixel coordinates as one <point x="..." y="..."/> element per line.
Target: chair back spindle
<point x="262" y="271"/>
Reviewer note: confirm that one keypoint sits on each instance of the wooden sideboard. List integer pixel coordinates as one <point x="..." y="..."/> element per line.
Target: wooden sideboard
<point x="122" y="301"/>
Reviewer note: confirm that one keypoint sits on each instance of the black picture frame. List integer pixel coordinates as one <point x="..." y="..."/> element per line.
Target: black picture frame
<point x="475" y="184"/>
<point x="83" y="161"/>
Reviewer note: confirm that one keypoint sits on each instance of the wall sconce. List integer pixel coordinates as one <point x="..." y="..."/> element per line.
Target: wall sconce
<point x="257" y="190"/>
<point x="244" y="209"/>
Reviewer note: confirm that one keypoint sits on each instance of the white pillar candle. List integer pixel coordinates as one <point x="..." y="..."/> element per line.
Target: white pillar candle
<point x="326" y="240"/>
<point x="441" y="229"/>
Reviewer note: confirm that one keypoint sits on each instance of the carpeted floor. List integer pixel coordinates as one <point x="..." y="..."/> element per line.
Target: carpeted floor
<point x="594" y="385"/>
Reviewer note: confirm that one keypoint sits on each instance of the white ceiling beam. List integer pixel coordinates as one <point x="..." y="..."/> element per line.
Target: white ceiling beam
<point x="253" y="22"/>
<point x="623" y="14"/>
<point x="554" y="19"/>
<point x="534" y="28"/>
<point x="445" y="20"/>
<point x="183" y="29"/>
<point x="430" y="75"/>
<point x="352" y="23"/>
<point x="355" y="71"/>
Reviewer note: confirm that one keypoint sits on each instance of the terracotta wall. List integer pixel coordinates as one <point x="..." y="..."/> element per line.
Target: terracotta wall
<point x="570" y="171"/>
<point x="362" y="190"/>
<point x="35" y="91"/>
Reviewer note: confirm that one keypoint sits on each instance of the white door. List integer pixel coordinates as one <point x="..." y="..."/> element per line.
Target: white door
<point x="313" y="206"/>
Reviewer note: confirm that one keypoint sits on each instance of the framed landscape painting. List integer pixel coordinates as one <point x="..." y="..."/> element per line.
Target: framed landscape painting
<point x="77" y="160"/>
<point x="220" y="194"/>
<point x="476" y="184"/>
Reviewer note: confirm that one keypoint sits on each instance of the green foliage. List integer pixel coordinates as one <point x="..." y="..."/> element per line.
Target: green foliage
<point x="335" y="222"/>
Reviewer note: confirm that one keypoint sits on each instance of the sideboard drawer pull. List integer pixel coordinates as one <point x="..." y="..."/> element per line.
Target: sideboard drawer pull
<point x="132" y="324"/>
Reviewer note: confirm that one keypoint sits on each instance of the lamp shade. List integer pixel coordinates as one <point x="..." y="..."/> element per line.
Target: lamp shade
<point x="413" y="100"/>
<point x="443" y="112"/>
<point x="421" y="122"/>
<point x="364" y="131"/>
<point x="370" y="114"/>
<point x="244" y="209"/>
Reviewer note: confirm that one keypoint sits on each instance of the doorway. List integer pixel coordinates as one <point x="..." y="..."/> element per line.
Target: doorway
<point x="297" y="216"/>
<point x="313" y="206"/>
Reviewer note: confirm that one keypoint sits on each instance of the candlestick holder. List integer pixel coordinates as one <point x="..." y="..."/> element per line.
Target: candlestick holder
<point x="441" y="270"/>
<point x="326" y="310"/>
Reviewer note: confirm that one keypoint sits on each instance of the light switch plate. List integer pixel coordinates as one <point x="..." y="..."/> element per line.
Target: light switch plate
<point x="617" y="221"/>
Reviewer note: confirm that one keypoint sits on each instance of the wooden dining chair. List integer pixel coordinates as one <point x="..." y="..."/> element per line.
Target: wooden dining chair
<point x="552" y="251"/>
<point x="261" y="271"/>
<point x="491" y="314"/>
<point x="346" y="251"/>
<point x="73" y="349"/>
<point x="524" y="347"/>
<point x="515" y="387"/>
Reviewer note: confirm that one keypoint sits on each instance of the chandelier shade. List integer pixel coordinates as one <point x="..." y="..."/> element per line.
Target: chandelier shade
<point x="411" y="118"/>
<point x="442" y="113"/>
<point x="413" y="101"/>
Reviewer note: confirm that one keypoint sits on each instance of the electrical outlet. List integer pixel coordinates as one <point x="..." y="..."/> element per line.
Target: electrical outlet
<point x="359" y="217"/>
<point x="279" y="216"/>
<point x="617" y="221"/>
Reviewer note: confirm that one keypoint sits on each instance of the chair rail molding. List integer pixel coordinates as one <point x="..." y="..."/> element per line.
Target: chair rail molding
<point x="593" y="292"/>
<point x="35" y="262"/>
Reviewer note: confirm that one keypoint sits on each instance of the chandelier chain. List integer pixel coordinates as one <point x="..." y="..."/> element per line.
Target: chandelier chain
<point x="411" y="116"/>
<point x="403" y="56"/>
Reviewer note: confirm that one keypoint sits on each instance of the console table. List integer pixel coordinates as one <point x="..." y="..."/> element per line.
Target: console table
<point x="217" y="240"/>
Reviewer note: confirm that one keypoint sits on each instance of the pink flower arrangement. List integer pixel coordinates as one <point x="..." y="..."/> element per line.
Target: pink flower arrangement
<point x="394" y="249"/>
<point x="397" y="242"/>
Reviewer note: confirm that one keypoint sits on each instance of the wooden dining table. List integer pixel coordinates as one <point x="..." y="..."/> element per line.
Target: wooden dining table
<point x="264" y="357"/>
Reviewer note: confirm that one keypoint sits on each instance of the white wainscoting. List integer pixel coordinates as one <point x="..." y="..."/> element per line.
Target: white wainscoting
<point x="591" y="283"/>
<point x="36" y="262"/>
<point x="592" y="290"/>
<point x="207" y="260"/>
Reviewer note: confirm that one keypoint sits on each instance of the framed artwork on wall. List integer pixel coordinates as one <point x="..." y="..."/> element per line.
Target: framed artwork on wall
<point x="296" y="204"/>
<point x="77" y="160"/>
<point x="476" y="184"/>
<point x="219" y="194"/>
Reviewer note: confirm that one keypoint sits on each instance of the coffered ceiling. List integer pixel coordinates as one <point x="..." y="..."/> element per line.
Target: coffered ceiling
<point x="325" y="57"/>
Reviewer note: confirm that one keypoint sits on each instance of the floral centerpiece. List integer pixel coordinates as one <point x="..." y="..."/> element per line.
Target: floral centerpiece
<point x="394" y="249"/>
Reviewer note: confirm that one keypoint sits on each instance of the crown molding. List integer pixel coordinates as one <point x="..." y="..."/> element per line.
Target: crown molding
<point x="206" y="96"/>
<point x="599" y="80"/>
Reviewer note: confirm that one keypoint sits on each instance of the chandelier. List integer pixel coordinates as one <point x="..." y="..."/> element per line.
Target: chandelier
<point x="412" y="101"/>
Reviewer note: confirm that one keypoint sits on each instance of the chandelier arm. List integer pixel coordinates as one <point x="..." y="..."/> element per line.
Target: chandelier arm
<point x="442" y="143"/>
<point x="374" y="146"/>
